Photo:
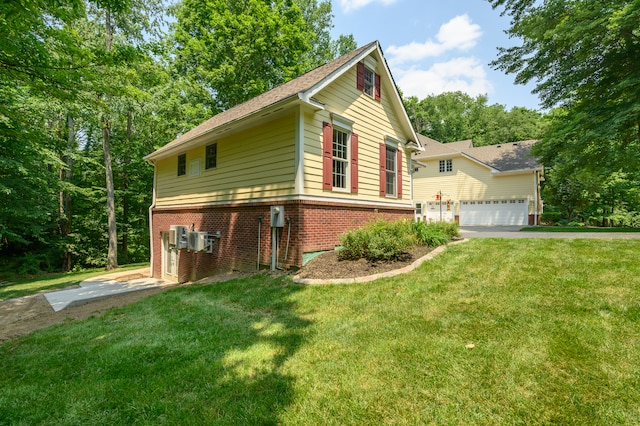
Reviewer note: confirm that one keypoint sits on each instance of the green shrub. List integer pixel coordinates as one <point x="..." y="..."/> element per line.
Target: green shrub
<point x="378" y="240"/>
<point x="355" y="244"/>
<point x="450" y="229"/>
<point x="430" y="235"/>
<point x="384" y="240"/>
<point x="550" y="218"/>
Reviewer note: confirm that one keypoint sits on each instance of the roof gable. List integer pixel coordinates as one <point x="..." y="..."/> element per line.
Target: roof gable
<point x="506" y="157"/>
<point x="302" y="88"/>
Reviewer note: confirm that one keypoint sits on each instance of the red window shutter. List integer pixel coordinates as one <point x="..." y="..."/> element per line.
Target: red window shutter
<point x="399" y="177"/>
<point x="354" y="163"/>
<point x="376" y="89"/>
<point x="360" y="76"/>
<point x="327" y="155"/>
<point x="383" y="170"/>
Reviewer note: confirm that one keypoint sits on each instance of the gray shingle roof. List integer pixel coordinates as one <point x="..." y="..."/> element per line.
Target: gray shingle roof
<point x="504" y="157"/>
<point x="280" y="93"/>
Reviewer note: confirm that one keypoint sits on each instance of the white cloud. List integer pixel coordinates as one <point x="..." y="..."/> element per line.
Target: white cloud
<point x="464" y="74"/>
<point x="457" y="34"/>
<point x="349" y="5"/>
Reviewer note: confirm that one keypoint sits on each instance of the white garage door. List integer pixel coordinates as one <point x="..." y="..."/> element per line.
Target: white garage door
<point x="503" y="212"/>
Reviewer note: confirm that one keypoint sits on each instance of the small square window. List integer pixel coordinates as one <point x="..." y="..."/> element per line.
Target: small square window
<point x="211" y="156"/>
<point x="182" y="164"/>
<point x="445" y="166"/>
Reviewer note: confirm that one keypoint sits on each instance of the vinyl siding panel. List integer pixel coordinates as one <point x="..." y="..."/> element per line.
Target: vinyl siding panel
<point x="373" y="121"/>
<point x="255" y="163"/>
<point x="470" y="181"/>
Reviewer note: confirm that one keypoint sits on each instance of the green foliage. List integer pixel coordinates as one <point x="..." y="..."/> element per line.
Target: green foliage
<point x="385" y="240"/>
<point x="456" y="116"/>
<point x="378" y="240"/>
<point x="429" y="235"/>
<point x="584" y="57"/>
<point x="241" y="49"/>
<point x="450" y="229"/>
<point x="550" y="217"/>
<point x="74" y="72"/>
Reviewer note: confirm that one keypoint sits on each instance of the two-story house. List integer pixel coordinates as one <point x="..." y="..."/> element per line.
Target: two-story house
<point x="486" y="185"/>
<point x="281" y="176"/>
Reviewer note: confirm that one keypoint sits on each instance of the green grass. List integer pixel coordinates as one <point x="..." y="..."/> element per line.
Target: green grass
<point x="26" y="286"/>
<point x="576" y="229"/>
<point x="555" y="324"/>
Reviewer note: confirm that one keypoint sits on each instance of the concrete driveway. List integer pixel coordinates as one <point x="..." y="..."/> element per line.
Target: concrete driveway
<point x="514" y="232"/>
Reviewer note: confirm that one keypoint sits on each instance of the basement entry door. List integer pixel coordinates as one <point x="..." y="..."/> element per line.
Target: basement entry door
<point x="496" y="212"/>
<point x="169" y="258"/>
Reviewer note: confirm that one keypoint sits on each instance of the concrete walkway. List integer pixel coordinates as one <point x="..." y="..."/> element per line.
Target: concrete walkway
<point x="514" y="232"/>
<point x="103" y="286"/>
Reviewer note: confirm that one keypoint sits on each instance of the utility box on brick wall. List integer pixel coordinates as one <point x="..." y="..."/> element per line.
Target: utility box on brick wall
<point x="277" y="216"/>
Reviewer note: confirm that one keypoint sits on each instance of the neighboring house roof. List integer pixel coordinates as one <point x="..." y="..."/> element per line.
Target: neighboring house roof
<point x="433" y="148"/>
<point x="300" y="88"/>
<point x="506" y="157"/>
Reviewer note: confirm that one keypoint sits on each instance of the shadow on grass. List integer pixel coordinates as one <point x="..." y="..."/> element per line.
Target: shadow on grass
<point x="210" y="354"/>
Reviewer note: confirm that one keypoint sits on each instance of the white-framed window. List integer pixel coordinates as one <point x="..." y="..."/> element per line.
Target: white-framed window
<point x="419" y="209"/>
<point x="340" y="159"/>
<point x="445" y="166"/>
<point x="391" y="169"/>
<point x="369" y="81"/>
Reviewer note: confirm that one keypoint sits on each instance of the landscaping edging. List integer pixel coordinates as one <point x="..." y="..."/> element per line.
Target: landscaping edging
<point x="387" y="274"/>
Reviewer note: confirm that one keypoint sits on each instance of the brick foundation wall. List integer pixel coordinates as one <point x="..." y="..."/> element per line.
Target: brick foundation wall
<point x="309" y="227"/>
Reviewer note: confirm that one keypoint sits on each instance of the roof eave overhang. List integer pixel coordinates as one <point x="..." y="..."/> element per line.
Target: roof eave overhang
<point x="443" y="156"/>
<point x="232" y="126"/>
<point x="495" y="172"/>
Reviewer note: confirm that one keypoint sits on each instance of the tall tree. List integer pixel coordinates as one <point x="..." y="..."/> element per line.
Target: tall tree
<point x="455" y="116"/>
<point x="35" y="67"/>
<point x="123" y="26"/>
<point x="240" y="49"/>
<point x="584" y="55"/>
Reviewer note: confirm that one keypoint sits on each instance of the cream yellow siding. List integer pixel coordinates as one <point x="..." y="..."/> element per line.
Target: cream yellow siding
<point x="470" y="181"/>
<point x="259" y="161"/>
<point x="373" y="122"/>
<point x="254" y="163"/>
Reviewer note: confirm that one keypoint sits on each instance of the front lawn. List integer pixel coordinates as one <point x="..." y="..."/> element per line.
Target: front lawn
<point x="576" y="229"/>
<point x="492" y="331"/>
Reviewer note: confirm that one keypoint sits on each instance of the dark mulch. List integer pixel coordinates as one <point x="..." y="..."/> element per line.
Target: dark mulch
<point x="328" y="266"/>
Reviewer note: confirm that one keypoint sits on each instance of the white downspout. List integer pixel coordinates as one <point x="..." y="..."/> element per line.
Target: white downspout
<point x="535" y="197"/>
<point x="151" y="207"/>
<point x="299" y="150"/>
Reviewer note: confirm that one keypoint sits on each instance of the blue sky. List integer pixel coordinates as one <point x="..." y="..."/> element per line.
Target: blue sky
<point x="435" y="46"/>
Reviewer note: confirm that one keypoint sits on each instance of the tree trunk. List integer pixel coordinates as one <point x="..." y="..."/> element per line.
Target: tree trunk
<point x="112" y="253"/>
<point x="125" y="186"/>
<point x="65" y="197"/>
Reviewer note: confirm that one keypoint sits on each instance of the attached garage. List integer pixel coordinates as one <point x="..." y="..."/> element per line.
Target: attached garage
<point x="494" y="212"/>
